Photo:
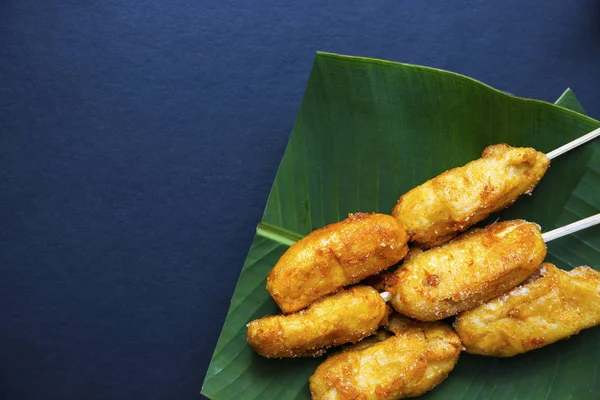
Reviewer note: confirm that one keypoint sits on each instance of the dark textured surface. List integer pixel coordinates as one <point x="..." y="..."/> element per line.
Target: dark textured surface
<point x="139" y="141"/>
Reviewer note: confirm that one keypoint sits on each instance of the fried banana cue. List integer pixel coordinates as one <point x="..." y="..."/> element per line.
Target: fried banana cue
<point x="335" y="256"/>
<point x="476" y="267"/>
<point x="414" y="360"/>
<point x="345" y="317"/>
<point x="552" y="305"/>
<point x="450" y="203"/>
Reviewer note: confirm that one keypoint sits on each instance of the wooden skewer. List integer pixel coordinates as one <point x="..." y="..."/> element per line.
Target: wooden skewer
<point x="548" y="236"/>
<point x="571" y="145"/>
<point x="571" y="228"/>
<point x="387" y="296"/>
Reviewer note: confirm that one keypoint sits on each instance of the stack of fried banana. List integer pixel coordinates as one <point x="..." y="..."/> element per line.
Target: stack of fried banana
<point x="492" y="279"/>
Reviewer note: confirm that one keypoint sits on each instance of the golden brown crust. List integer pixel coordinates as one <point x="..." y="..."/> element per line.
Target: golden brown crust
<point x="553" y="306"/>
<point x="344" y="317"/>
<point x="472" y="269"/>
<point x="335" y="256"/>
<point x="411" y="362"/>
<point x="455" y="200"/>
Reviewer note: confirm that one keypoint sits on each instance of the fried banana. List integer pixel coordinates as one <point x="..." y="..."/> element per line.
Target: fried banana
<point x="335" y="256"/>
<point x="345" y="317"/>
<point x="476" y="267"/>
<point x="450" y="203"/>
<point x="550" y="306"/>
<point x="413" y="361"/>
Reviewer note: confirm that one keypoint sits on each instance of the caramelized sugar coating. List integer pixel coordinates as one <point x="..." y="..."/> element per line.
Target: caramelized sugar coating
<point x="335" y="256"/>
<point x="450" y="203"/>
<point x="470" y="270"/>
<point x="552" y="305"/>
<point x="413" y="361"/>
<point x="345" y="317"/>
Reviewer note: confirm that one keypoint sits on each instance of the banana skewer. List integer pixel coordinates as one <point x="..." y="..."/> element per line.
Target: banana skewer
<point x="345" y="317"/>
<point x="437" y="210"/>
<point x="472" y="269"/>
<point x="335" y="256"/>
<point x="416" y="358"/>
<point x="551" y="305"/>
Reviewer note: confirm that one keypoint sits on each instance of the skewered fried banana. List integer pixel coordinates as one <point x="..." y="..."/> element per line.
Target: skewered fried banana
<point x="335" y="256"/>
<point x="472" y="269"/>
<point x="345" y="317"/>
<point x="552" y="305"/>
<point x="413" y="361"/>
<point x="450" y="203"/>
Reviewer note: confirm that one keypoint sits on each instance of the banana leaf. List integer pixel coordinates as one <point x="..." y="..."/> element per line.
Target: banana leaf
<point x="369" y="130"/>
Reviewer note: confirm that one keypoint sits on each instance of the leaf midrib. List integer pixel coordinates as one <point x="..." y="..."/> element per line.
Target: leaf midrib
<point x="277" y="234"/>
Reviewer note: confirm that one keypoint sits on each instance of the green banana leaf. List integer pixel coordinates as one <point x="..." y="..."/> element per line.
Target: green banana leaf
<point x="570" y="101"/>
<point x="368" y="131"/>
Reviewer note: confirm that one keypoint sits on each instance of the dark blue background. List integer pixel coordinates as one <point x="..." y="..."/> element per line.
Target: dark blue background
<point x="139" y="141"/>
